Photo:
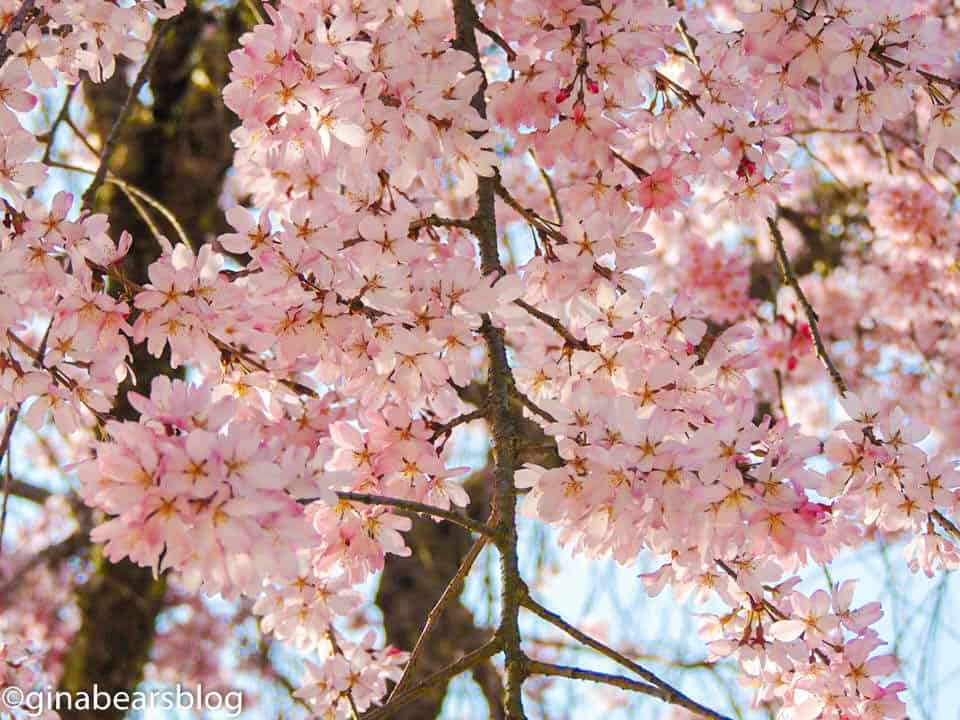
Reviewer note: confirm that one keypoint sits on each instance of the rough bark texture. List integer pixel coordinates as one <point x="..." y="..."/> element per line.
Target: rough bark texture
<point x="501" y="416"/>
<point x="177" y="150"/>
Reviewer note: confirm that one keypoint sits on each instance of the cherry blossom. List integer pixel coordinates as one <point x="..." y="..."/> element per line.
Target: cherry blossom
<point x="647" y="234"/>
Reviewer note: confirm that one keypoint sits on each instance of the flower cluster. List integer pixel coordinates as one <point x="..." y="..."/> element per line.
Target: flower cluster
<point x="360" y="309"/>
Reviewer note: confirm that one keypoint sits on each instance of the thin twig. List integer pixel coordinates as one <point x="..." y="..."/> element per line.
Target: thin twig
<point x="812" y="318"/>
<point x="535" y="667"/>
<point x="634" y="168"/>
<point x="664" y="690"/>
<point x="62" y="116"/>
<point x="548" y="181"/>
<point x="13" y="413"/>
<point x="95" y="151"/>
<point x="557" y="326"/>
<point x="487" y="650"/>
<point x="884" y="59"/>
<point x="267" y="667"/>
<point x="947" y="524"/>
<point x="450" y="593"/>
<point x="531" y="216"/>
<point x="27" y="491"/>
<point x="688" y="97"/>
<point x="532" y="406"/>
<point x="255" y="11"/>
<point x="55" y="373"/>
<point x="144" y="215"/>
<point x="348" y="693"/>
<point x="160" y="29"/>
<point x="689" y="41"/>
<point x="156" y="205"/>
<point x="498" y="39"/>
<point x="416" y="508"/>
<point x="445" y="428"/>
<point x="437" y="221"/>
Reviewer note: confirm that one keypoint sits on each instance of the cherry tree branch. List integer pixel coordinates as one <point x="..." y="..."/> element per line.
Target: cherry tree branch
<point x="16" y="24"/>
<point x="52" y="554"/>
<point x="554" y="323"/>
<point x="27" y="491"/>
<point x="551" y="188"/>
<point x="659" y="688"/>
<point x="498" y="39"/>
<point x="688" y="97"/>
<point x="136" y="193"/>
<point x="444" y="428"/>
<point x="239" y="353"/>
<point x="638" y="171"/>
<point x="13" y="413"/>
<point x="416" y="508"/>
<point x="541" y="224"/>
<point x="36" y="356"/>
<point x="882" y="58"/>
<point x="532" y="217"/>
<point x="437" y="221"/>
<point x="450" y="593"/>
<point x="500" y="414"/>
<point x="531" y="405"/>
<point x="947" y="524"/>
<point x="535" y="667"/>
<point x="485" y="651"/>
<point x="159" y="30"/>
<point x="790" y="277"/>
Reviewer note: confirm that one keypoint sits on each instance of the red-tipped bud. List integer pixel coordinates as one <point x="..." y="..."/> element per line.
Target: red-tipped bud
<point x="747" y="168"/>
<point x="562" y="95"/>
<point x="593" y="86"/>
